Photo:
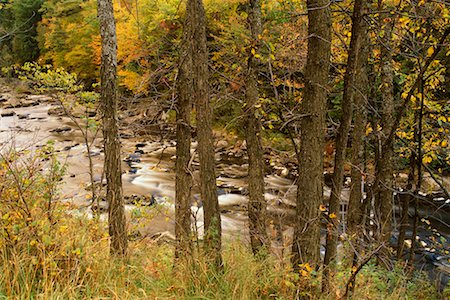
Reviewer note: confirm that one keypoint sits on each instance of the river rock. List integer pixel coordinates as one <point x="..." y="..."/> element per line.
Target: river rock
<point x="27" y="103"/>
<point x="61" y="129"/>
<point x="55" y="111"/>
<point x="222" y="144"/>
<point x="5" y="97"/>
<point x="102" y="206"/>
<point x="39" y="98"/>
<point x="8" y="113"/>
<point x="140" y="200"/>
<point x="23" y="116"/>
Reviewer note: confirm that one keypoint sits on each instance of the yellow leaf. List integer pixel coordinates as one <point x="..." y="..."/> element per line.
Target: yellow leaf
<point x="332" y="215"/>
<point x="444" y="144"/>
<point x="430" y="51"/>
<point x="427" y="159"/>
<point x="307" y="267"/>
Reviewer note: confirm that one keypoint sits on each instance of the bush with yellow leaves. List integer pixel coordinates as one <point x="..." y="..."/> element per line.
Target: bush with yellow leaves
<point x="35" y="248"/>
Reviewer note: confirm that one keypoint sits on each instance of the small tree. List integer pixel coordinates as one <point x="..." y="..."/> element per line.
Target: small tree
<point x="108" y="73"/>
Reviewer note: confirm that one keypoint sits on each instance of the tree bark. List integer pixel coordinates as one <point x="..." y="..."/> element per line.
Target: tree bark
<point x="306" y="240"/>
<point x="383" y="166"/>
<point x="183" y="181"/>
<point x="341" y="143"/>
<point x="113" y="170"/>
<point x="257" y="207"/>
<point x="208" y="189"/>
<point x="355" y="209"/>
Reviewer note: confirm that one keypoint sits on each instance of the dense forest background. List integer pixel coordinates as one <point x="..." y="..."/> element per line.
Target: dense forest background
<point x="353" y="96"/>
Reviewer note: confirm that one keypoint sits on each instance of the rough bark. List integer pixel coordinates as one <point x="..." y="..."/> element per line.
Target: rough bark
<point x="257" y="205"/>
<point x="306" y="240"/>
<point x="341" y="142"/>
<point x="183" y="181"/>
<point x="383" y="167"/>
<point x="419" y="137"/>
<point x="212" y="221"/>
<point x="113" y="172"/>
<point x="360" y="101"/>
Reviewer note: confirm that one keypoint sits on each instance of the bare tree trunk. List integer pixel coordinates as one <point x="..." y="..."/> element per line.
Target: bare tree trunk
<point x="383" y="165"/>
<point x="419" y="171"/>
<point x="183" y="181"/>
<point x="406" y="199"/>
<point x="355" y="209"/>
<point x="113" y="170"/>
<point x="257" y="209"/>
<point x="341" y="142"/>
<point x="306" y="240"/>
<point x="212" y="222"/>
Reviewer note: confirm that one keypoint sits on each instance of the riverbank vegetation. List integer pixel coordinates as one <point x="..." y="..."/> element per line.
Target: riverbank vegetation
<point x="346" y="101"/>
<point x="48" y="252"/>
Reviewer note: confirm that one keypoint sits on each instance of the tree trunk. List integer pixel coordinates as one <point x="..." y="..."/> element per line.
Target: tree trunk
<point x="113" y="170"/>
<point x="360" y="100"/>
<point x="419" y="141"/>
<point x="183" y="182"/>
<point x="383" y="166"/>
<point x="208" y="189"/>
<point x="341" y="143"/>
<point x="257" y="205"/>
<point x="306" y="240"/>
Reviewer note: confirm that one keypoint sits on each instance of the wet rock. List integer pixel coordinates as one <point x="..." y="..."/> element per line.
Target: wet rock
<point x="102" y="206"/>
<point x="23" y="116"/>
<point x="91" y="114"/>
<point x="94" y="153"/>
<point x="55" y="111"/>
<point x="5" y="97"/>
<point x="28" y="103"/>
<point x="8" y="113"/>
<point x="61" y="129"/>
<point x="222" y="144"/>
<point x="133" y="158"/>
<point x="163" y="237"/>
<point x="125" y="136"/>
<point x="39" y="98"/>
<point x="140" y="200"/>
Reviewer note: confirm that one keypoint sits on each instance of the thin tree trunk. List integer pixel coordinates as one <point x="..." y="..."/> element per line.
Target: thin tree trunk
<point x="406" y="199"/>
<point x="113" y="170"/>
<point x="306" y="240"/>
<point x="257" y="204"/>
<point x="360" y="101"/>
<point x="341" y="142"/>
<point x="384" y="163"/>
<point x="419" y="172"/>
<point x="183" y="181"/>
<point x="212" y="222"/>
<point x="356" y="208"/>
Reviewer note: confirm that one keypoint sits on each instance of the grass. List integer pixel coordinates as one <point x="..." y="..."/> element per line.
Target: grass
<point x="86" y="270"/>
<point x="47" y="253"/>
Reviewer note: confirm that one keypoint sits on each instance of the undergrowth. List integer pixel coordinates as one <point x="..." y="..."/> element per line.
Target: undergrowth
<point x="48" y="253"/>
